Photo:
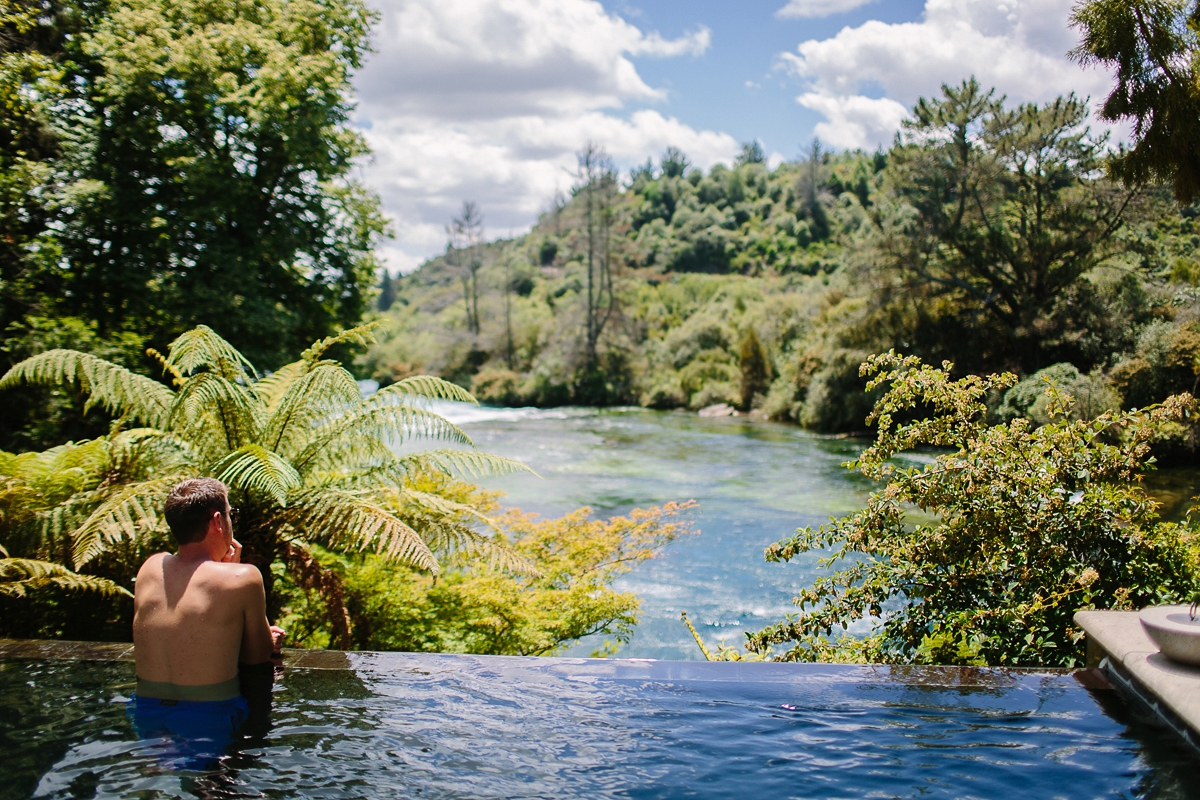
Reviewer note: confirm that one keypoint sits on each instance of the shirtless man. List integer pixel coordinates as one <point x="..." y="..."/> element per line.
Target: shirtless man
<point x="199" y="613"/>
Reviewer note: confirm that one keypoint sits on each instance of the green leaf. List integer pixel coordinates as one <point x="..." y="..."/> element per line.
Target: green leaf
<point x="113" y="387"/>
<point x="18" y="576"/>
<point x="257" y="470"/>
<point x="353" y="521"/>
<point x="129" y="513"/>
<point x="363" y="335"/>
<point x="201" y="348"/>
<point x="429" y="387"/>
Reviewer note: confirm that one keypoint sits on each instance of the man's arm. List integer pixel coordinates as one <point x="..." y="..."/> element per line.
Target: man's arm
<point x="257" y="639"/>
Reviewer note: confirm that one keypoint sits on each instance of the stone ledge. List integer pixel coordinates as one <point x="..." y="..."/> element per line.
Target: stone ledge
<point x="39" y="649"/>
<point x="1170" y="690"/>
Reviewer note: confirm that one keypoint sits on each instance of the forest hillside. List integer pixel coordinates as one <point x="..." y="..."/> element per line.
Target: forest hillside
<point x="987" y="235"/>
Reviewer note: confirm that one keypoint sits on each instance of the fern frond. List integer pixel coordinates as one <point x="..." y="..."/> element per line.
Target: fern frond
<point x="352" y="462"/>
<point x="213" y="405"/>
<point x="271" y="389"/>
<point x="463" y="463"/>
<point x="202" y="347"/>
<point x="255" y="469"/>
<point x="428" y="387"/>
<point x="350" y="521"/>
<point x="116" y="389"/>
<point x="129" y="513"/>
<point x="444" y="524"/>
<point x="177" y="378"/>
<point x="20" y="575"/>
<point x="387" y="423"/>
<point x="363" y="334"/>
<point x="325" y="391"/>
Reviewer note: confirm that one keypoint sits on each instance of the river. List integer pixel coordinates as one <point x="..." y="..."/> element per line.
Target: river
<point x="755" y="483"/>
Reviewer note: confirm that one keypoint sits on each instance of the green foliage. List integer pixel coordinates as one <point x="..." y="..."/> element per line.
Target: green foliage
<point x="755" y="367"/>
<point x="482" y="608"/>
<point x="307" y="458"/>
<point x="165" y="161"/>
<point x="996" y="210"/>
<point x="986" y="235"/>
<point x="1153" y="46"/>
<point x="1091" y="395"/>
<point x="1031" y="524"/>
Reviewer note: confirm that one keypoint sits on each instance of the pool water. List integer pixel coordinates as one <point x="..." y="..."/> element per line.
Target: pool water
<point x="441" y="726"/>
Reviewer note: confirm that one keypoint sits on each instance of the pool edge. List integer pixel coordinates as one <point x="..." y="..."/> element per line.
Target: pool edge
<point x="1119" y="646"/>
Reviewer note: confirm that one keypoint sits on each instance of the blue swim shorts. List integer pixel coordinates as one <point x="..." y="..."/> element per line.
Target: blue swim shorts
<point x="187" y="734"/>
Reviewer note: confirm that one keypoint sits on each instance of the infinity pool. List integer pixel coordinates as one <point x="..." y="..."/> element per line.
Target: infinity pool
<point x="442" y="726"/>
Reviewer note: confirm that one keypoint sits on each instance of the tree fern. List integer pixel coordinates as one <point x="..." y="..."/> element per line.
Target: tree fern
<point x="306" y="457"/>
<point x="19" y="576"/>
<point x="256" y="470"/>
<point x="117" y="390"/>
<point x="203" y="349"/>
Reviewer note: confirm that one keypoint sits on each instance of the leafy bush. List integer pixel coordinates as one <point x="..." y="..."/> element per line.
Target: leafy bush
<point x="1091" y="394"/>
<point x="1032" y="524"/>
<point x="483" y="608"/>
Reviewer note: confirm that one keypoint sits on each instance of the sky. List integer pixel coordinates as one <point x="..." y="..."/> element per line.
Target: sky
<point x="488" y="100"/>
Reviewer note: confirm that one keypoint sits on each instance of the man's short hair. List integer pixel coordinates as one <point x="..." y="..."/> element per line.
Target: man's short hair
<point x="190" y="506"/>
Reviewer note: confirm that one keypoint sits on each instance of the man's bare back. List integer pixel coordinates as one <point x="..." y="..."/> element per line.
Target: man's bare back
<point x="198" y="613"/>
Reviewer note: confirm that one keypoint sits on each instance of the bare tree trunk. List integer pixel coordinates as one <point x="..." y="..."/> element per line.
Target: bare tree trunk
<point x="597" y="183"/>
<point x="508" y="312"/>
<point x="465" y="244"/>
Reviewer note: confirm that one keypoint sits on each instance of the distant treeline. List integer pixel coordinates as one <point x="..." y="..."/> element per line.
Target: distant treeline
<point x="988" y="235"/>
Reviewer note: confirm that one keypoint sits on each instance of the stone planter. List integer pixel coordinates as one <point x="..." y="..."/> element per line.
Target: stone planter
<point x="1174" y="631"/>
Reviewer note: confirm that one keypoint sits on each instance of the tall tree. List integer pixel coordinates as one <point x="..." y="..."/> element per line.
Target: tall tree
<point x="465" y="251"/>
<point x="210" y="164"/>
<point x="998" y="211"/>
<point x="810" y="192"/>
<point x="674" y="163"/>
<point x="752" y="153"/>
<point x="1154" y="46"/>
<point x="387" y="291"/>
<point x="596" y="181"/>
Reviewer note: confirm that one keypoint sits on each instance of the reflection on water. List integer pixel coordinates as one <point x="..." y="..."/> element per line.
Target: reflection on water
<point x="756" y="483"/>
<point x="490" y="727"/>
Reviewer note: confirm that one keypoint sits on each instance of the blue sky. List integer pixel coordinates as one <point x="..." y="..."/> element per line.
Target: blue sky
<point x="712" y="91"/>
<point x="488" y="100"/>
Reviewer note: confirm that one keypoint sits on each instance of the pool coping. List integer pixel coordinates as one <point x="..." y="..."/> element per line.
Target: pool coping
<point x="1119" y="646"/>
<point x="629" y="669"/>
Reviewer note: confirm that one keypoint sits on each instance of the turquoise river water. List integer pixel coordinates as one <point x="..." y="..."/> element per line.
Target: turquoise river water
<point x="755" y="483"/>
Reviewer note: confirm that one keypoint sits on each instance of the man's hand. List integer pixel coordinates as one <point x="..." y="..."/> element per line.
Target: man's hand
<point x="234" y="554"/>
<point x="278" y="634"/>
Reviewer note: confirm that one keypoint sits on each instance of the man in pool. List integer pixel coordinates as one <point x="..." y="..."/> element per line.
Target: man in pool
<point x="197" y="616"/>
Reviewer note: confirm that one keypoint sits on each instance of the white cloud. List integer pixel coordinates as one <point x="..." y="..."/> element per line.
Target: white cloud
<point x="819" y="8"/>
<point x="854" y="120"/>
<point x="1018" y="46"/>
<point x="489" y="99"/>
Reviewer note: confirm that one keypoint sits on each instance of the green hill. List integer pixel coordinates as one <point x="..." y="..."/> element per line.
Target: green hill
<point x="765" y="288"/>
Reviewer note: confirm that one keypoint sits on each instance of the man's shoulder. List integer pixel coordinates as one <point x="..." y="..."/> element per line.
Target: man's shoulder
<point x="232" y="575"/>
<point x="150" y="564"/>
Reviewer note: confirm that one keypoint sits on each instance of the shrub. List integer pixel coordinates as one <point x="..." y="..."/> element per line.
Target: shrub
<point x="1091" y="393"/>
<point x="499" y="387"/>
<point x="1032" y="524"/>
<point x="482" y="608"/>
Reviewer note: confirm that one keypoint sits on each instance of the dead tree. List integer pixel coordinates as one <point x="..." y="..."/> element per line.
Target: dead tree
<point x="596" y="182"/>
<point x="464" y="250"/>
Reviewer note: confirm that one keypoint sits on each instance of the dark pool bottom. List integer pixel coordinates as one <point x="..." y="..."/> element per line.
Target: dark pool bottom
<point x="398" y="725"/>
